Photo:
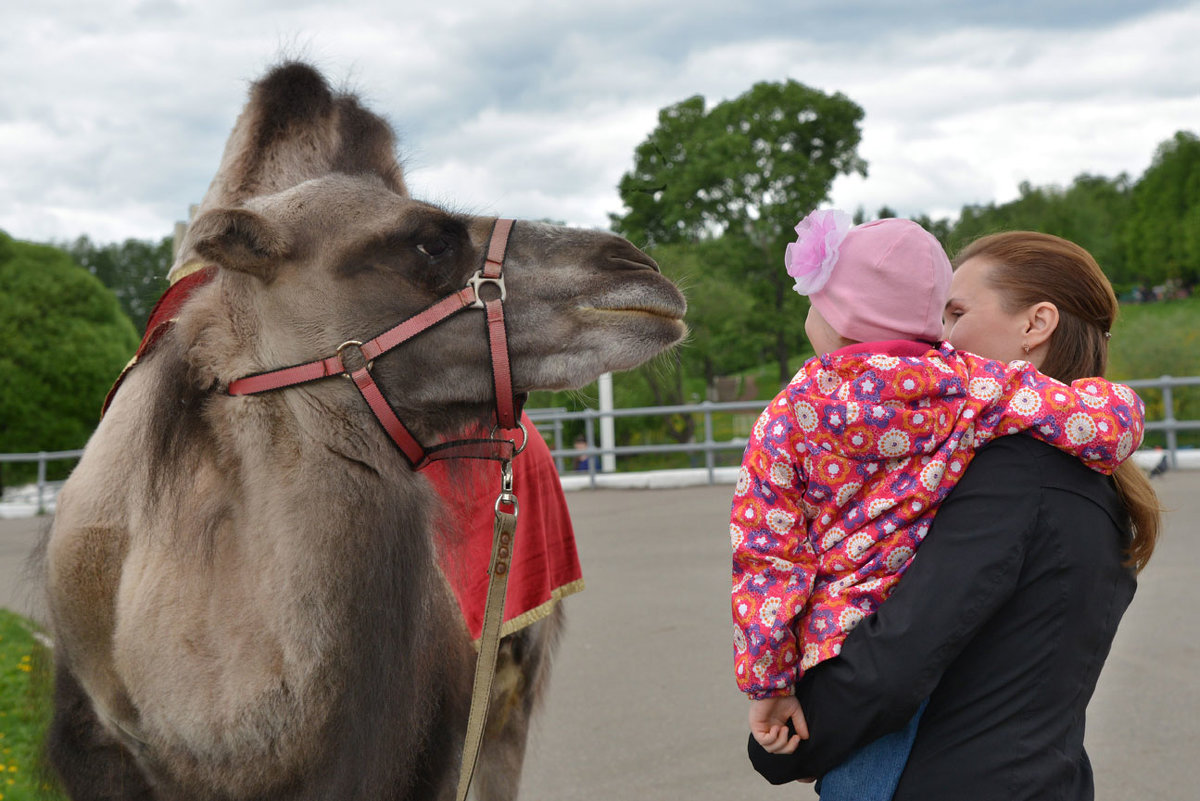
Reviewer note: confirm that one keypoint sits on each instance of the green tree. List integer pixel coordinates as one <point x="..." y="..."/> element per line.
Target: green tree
<point x="745" y="170"/>
<point x="135" y="270"/>
<point x="1097" y="210"/>
<point x="63" y="340"/>
<point x="1092" y="212"/>
<point x="1035" y="209"/>
<point x="725" y="332"/>
<point x="943" y="229"/>
<point x="1163" y="237"/>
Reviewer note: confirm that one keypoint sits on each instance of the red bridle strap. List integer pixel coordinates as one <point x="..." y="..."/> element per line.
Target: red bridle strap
<point x="372" y="349"/>
<point x="467" y="297"/>
<point x="506" y="416"/>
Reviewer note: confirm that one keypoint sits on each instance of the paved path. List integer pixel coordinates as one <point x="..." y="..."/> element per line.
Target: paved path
<point x="642" y="703"/>
<point x="643" y="706"/>
<point x="18" y="539"/>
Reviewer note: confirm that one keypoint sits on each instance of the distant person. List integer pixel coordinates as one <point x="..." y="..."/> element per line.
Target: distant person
<point x="1002" y="624"/>
<point x="846" y="467"/>
<point x="581" y="461"/>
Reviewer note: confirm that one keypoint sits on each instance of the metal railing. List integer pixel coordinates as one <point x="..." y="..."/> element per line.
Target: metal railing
<point x="1169" y="425"/>
<point x="550" y="421"/>
<point x="553" y="420"/>
<point x="43" y="487"/>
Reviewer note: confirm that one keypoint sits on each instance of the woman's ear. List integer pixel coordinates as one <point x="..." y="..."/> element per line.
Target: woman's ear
<point x="1041" y="320"/>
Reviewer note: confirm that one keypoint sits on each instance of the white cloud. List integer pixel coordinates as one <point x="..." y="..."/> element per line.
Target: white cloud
<point x="113" y="117"/>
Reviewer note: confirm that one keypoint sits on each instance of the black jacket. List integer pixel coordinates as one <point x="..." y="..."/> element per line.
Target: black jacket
<point x="1003" y="621"/>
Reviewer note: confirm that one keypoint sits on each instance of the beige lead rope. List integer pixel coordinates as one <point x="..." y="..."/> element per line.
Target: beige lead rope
<point x="489" y="641"/>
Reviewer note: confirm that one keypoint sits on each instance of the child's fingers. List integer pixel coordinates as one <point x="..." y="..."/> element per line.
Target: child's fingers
<point x="790" y="746"/>
<point x="779" y="737"/>
<point x="766" y="736"/>
<point x="774" y="741"/>
<point x="800" y="724"/>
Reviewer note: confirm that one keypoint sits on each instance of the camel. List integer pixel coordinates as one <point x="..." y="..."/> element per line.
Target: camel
<point x="243" y="588"/>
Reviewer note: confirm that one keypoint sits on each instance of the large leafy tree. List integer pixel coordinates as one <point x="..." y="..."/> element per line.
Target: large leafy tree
<point x="745" y="170"/>
<point x="135" y="270"/>
<point x="726" y="334"/>
<point x="1163" y="236"/>
<point x="1096" y="209"/>
<point x="1092" y="212"/>
<point x="64" y="339"/>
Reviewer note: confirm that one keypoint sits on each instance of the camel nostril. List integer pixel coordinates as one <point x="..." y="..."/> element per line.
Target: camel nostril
<point x="635" y="264"/>
<point x="629" y="257"/>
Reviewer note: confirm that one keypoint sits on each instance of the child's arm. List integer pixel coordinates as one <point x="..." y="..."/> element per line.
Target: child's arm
<point x="768" y="723"/>
<point x="773" y="562"/>
<point x="1093" y="419"/>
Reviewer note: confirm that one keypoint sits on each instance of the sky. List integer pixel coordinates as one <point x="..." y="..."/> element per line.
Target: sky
<point x="113" y="115"/>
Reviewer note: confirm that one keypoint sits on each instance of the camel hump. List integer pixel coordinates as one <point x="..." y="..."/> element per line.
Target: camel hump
<point x="294" y="128"/>
<point x="294" y="102"/>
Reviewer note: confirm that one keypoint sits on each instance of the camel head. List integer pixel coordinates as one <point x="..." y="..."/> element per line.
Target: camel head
<point x="345" y="257"/>
<point x="319" y="242"/>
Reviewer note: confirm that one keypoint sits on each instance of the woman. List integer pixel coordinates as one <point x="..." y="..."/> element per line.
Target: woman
<point x="1005" y="618"/>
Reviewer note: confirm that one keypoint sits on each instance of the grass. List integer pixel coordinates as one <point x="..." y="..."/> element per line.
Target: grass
<point x="24" y="710"/>
<point x="1156" y="339"/>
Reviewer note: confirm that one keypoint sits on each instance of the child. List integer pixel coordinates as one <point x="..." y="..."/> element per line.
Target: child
<point x="845" y="468"/>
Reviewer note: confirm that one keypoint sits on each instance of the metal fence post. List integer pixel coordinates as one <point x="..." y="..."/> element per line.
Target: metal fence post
<point x="558" y="443"/>
<point x="589" y="432"/>
<point x="41" y="483"/>
<point x="1169" y="419"/>
<point x="710" y="456"/>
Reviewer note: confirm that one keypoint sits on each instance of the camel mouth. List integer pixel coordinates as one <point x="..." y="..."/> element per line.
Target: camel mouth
<point x="662" y="324"/>
<point x="659" y="312"/>
<point x="645" y="301"/>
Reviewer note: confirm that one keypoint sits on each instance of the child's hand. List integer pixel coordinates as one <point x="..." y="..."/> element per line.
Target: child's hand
<point x="768" y="723"/>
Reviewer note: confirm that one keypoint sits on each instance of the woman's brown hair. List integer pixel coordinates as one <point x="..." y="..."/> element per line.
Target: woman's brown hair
<point x="1028" y="267"/>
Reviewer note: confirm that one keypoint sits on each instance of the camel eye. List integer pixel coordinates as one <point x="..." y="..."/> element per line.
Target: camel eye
<point x="434" y="249"/>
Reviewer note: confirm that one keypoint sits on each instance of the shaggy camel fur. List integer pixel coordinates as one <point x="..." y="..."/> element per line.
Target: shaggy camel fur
<point x="244" y="591"/>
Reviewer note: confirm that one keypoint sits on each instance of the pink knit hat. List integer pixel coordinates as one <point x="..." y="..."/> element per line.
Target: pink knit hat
<point x="887" y="279"/>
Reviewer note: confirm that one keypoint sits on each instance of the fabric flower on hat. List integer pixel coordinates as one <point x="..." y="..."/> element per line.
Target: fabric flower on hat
<point x="810" y="259"/>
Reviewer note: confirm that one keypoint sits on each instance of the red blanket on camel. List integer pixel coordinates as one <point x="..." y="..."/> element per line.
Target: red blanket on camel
<point x="545" y="565"/>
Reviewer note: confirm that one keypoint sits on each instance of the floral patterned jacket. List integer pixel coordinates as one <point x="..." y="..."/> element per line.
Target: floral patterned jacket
<point x="845" y="469"/>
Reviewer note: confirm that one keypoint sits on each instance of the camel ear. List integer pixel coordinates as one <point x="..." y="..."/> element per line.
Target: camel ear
<point x="237" y="239"/>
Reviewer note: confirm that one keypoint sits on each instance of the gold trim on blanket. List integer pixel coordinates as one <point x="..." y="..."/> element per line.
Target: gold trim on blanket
<point x="538" y="612"/>
<point x="184" y="270"/>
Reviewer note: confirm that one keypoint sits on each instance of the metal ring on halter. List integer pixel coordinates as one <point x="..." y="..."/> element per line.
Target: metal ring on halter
<point x="511" y="500"/>
<point x="524" y="437"/>
<point x="477" y="281"/>
<point x="346" y="371"/>
<point x="506" y="495"/>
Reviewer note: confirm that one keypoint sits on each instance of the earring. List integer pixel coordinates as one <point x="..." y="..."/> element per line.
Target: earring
<point x="1025" y="347"/>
